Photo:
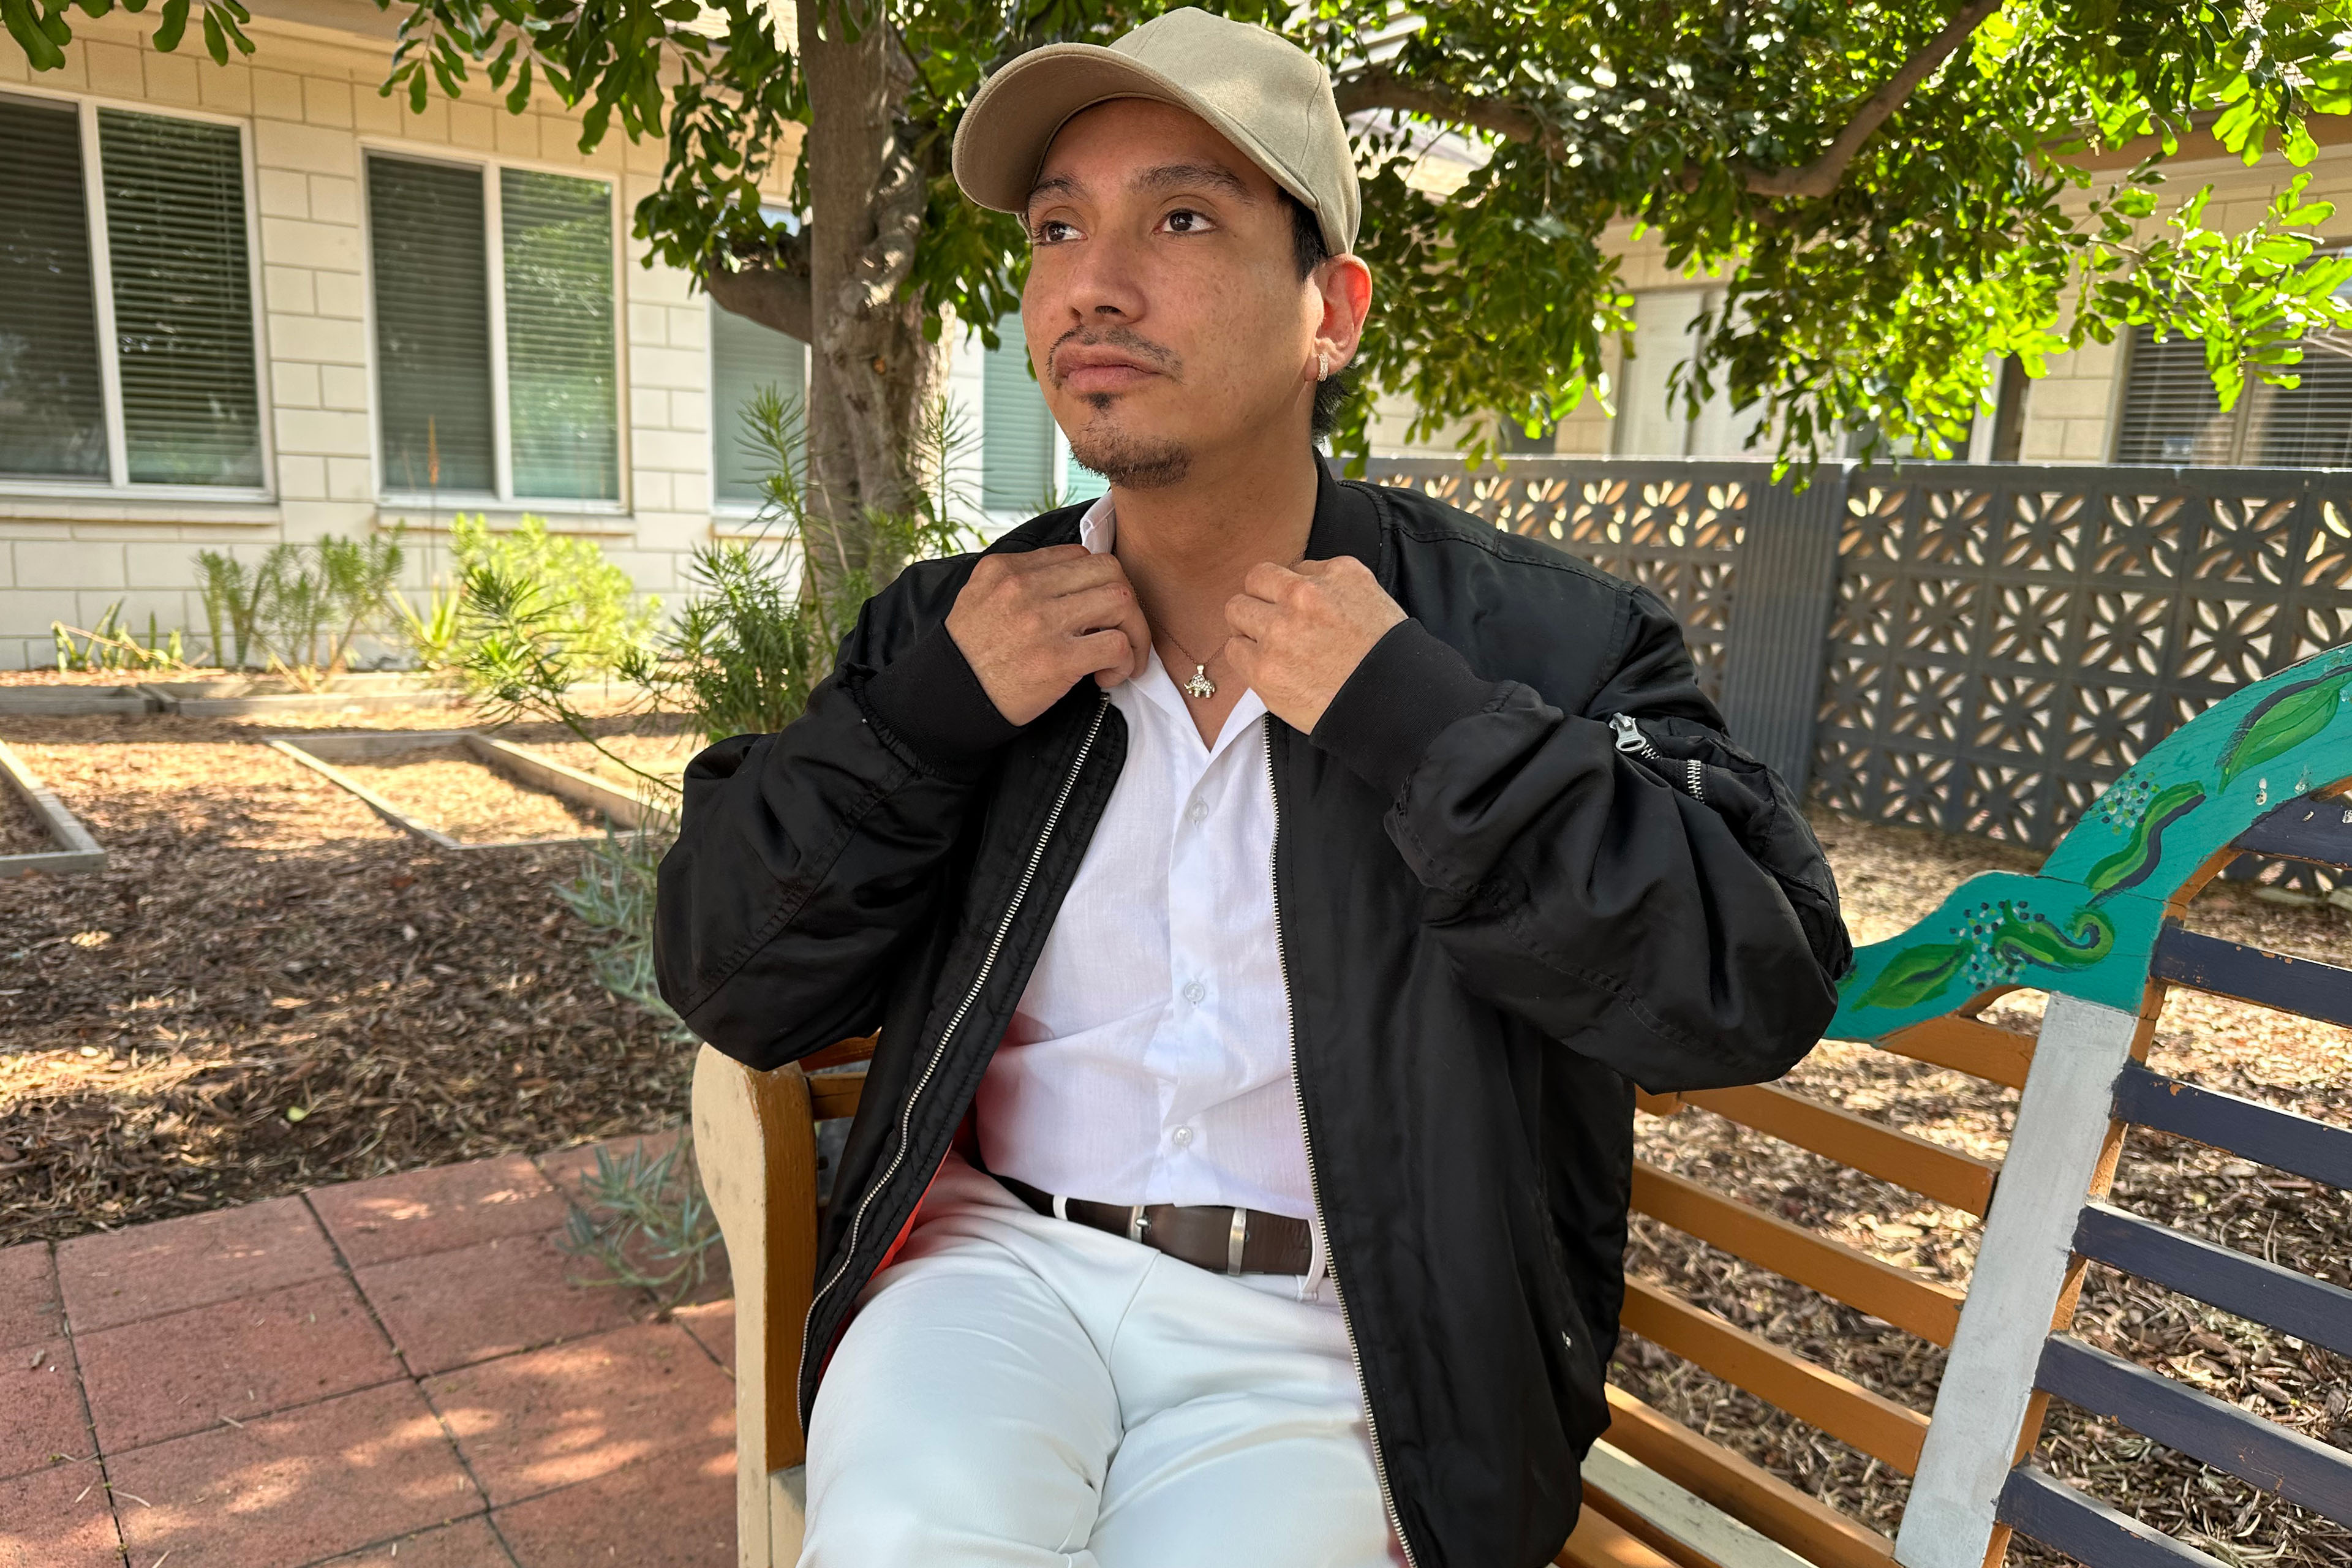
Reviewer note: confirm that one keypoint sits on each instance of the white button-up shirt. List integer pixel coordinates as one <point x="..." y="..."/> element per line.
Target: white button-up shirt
<point x="1149" y="1060"/>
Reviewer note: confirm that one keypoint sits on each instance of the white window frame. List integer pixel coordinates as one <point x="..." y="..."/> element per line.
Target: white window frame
<point x="118" y="483"/>
<point x="504" y="500"/>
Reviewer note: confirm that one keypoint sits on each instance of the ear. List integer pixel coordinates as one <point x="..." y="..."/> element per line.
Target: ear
<point x="1344" y="285"/>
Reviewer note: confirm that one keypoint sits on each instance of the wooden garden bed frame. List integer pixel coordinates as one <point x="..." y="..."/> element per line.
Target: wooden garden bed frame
<point x="76" y="850"/>
<point x="2267" y="770"/>
<point x="321" y="752"/>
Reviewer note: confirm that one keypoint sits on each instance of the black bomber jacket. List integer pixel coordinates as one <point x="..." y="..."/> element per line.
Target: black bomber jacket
<point x="1499" y="911"/>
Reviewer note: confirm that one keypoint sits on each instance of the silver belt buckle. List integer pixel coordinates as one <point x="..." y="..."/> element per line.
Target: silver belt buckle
<point x="1236" y="1240"/>
<point x="1136" y="1223"/>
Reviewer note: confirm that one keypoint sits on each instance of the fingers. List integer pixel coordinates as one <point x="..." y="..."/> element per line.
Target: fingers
<point x="1249" y="615"/>
<point x="1270" y="582"/>
<point x="1106" y="655"/>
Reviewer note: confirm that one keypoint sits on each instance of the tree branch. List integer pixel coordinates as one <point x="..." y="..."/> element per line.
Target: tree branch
<point x="1376" y="88"/>
<point x="1821" y="176"/>
<point x="775" y="294"/>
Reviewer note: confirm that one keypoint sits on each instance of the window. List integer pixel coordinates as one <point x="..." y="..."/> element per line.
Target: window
<point x="746" y="359"/>
<point x="151" y="379"/>
<point x="1024" y="465"/>
<point x="496" y="371"/>
<point x="1652" y="421"/>
<point x="2172" y="415"/>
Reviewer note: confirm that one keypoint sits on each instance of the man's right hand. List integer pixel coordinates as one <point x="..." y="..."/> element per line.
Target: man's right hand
<point x="1032" y="625"/>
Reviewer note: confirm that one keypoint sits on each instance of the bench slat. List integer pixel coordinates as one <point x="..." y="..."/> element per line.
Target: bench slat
<point x="1925" y="1307"/>
<point x="1743" y="1490"/>
<point x="1843" y="1408"/>
<point x="1674" y="1520"/>
<point x="2222" y="1277"/>
<point x="2282" y="1138"/>
<point x="2307" y="829"/>
<point x="1929" y="1169"/>
<point x="2048" y="1511"/>
<point x="2267" y="979"/>
<point x="1599" y="1542"/>
<point x="2276" y="1458"/>
<point x="1966" y="1044"/>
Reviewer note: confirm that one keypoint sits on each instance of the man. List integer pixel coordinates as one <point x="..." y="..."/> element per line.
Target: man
<point x="1267" y="890"/>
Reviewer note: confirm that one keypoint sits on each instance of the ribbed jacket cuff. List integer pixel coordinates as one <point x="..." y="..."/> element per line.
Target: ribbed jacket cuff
<point x="930" y="699"/>
<point x="1408" y="688"/>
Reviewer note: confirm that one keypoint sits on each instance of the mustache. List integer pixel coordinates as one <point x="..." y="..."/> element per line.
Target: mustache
<point x="1125" y="339"/>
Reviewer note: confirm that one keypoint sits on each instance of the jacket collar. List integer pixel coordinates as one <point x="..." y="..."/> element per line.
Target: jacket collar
<point x="1346" y="522"/>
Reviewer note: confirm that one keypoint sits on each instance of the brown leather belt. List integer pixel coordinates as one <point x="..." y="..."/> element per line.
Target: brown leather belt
<point x="1209" y="1236"/>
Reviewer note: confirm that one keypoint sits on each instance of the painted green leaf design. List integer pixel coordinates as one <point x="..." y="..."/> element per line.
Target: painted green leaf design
<point x="2037" y="940"/>
<point x="2136" y="860"/>
<point x="2283" y="721"/>
<point x="1915" y="973"/>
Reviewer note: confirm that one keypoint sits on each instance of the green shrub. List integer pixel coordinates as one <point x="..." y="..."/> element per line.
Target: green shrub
<point x="584" y="605"/>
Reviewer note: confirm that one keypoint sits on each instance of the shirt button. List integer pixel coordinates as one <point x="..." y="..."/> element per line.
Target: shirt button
<point x="1182" y="1137"/>
<point x="1194" y="992"/>
<point x="1198" y="810"/>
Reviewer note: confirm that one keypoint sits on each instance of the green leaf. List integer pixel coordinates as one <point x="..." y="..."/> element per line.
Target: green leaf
<point x="173" y="25"/>
<point x="215" y="41"/>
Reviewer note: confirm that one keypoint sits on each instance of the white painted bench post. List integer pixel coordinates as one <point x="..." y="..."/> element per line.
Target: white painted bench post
<point x="2062" y="1145"/>
<point x="756" y="1146"/>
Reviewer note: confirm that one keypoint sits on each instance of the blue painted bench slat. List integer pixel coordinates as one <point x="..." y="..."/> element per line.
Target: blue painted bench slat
<point x="2037" y="1504"/>
<point x="2275" y="1458"/>
<point x="2302" y="985"/>
<point x="2222" y="1277"/>
<point x="2250" y="1131"/>
<point x="2319" y="831"/>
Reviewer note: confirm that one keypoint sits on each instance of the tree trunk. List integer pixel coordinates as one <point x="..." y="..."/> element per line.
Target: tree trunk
<point x="871" y="374"/>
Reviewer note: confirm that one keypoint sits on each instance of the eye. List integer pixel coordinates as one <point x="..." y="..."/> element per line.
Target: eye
<point x="1186" y="220"/>
<point x="1051" y="231"/>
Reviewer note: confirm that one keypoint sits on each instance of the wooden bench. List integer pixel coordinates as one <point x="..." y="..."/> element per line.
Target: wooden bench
<point x="2100" y="930"/>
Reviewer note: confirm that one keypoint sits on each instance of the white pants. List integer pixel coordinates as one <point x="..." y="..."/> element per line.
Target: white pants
<point x="1022" y="1391"/>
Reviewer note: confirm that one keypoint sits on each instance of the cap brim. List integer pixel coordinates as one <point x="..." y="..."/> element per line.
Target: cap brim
<point x="1000" y="144"/>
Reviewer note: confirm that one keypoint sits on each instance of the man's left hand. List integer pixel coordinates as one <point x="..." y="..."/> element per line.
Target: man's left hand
<point x="1300" y="631"/>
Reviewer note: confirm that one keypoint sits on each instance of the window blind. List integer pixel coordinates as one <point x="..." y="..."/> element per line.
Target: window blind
<point x="561" y="385"/>
<point x="746" y="358"/>
<point x="183" y="300"/>
<point x="430" y="253"/>
<point x="2172" y="414"/>
<point x="1016" y="434"/>
<point x="2310" y="427"/>
<point x="52" y="397"/>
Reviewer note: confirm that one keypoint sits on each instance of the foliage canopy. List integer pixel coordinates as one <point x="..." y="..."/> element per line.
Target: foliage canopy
<point x="1895" y="195"/>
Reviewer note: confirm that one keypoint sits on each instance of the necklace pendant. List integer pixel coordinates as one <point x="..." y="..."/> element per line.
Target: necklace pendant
<point x="1201" y="685"/>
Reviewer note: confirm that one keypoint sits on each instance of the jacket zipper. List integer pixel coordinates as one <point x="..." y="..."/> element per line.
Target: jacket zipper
<point x="955" y="1022"/>
<point x="1314" y="1186"/>
<point x="1633" y="743"/>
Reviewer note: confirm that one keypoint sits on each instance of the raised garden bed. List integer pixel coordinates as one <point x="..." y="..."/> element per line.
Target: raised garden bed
<point x="37" y="832"/>
<point x="460" y="790"/>
<point x="249" y="695"/>
<point x="59" y="698"/>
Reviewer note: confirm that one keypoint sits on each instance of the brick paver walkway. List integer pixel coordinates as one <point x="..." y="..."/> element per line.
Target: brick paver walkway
<point x="390" y="1372"/>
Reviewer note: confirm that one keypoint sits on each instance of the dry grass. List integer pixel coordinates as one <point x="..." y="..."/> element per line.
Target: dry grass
<point x="1891" y="878"/>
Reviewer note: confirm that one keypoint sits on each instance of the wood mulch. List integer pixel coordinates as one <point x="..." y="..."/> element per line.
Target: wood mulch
<point x="269" y="988"/>
<point x="472" y="803"/>
<point x="1890" y="877"/>
<point x="21" y="832"/>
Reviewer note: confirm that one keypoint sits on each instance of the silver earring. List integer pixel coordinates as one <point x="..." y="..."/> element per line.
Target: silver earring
<point x="1322" y="367"/>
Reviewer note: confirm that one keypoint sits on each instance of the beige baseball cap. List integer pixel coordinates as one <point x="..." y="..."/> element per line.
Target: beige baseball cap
<point x="1262" y="92"/>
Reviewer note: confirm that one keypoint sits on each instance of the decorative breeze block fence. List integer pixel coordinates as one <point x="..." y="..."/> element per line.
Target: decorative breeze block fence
<point x="1978" y="648"/>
